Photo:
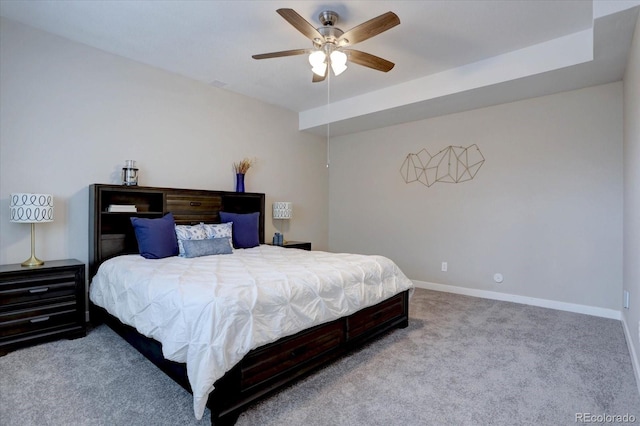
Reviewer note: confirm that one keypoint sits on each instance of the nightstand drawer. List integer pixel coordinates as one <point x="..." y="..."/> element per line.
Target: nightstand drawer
<point x="18" y="292"/>
<point x="42" y="318"/>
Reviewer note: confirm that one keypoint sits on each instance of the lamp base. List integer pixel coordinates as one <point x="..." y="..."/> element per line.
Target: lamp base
<point x="32" y="261"/>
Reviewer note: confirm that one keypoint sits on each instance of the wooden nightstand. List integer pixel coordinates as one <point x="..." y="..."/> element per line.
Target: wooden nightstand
<point x="296" y="244"/>
<point x="41" y="303"/>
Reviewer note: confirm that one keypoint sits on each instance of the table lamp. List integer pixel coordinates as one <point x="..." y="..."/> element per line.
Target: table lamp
<point x="282" y="210"/>
<point x="31" y="208"/>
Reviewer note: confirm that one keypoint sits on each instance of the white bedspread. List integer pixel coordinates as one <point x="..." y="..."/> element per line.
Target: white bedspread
<point x="211" y="311"/>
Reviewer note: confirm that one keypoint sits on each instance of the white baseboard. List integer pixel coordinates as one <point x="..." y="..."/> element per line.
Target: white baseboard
<point x="632" y="352"/>
<point x="544" y="303"/>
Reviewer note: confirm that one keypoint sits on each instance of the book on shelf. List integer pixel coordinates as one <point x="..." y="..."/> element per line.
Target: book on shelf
<point x="122" y="208"/>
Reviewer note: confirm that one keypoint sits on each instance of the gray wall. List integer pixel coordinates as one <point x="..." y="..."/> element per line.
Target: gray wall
<point x="70" y="115"/>
<point x="631" y="316"/>
<point x="545" y="209"/>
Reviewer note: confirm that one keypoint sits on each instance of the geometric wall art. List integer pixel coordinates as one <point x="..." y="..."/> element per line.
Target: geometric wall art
<point x="453" y="164"/>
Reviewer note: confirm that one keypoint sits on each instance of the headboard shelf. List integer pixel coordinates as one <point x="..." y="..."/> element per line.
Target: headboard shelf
<point x="144" y="199"/>
<point x="111" y="233"/>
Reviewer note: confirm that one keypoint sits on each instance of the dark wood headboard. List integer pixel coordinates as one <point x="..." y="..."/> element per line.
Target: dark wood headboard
<point x="111" y="233"/>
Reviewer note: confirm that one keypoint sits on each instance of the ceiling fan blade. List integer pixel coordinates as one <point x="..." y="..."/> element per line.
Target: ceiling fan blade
<point x="281" y="54"/>
<point x="369" y="60"/>
<point x="301" y="24"/>
<point x="318" y="78"/>
<point x="369" y="29"/>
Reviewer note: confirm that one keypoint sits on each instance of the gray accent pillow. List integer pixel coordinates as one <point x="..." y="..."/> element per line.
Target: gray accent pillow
<point x="197" y="248"/>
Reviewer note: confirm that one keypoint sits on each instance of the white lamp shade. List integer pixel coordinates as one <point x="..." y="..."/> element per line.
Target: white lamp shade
<point x="317" y="59"/>
<point x="282" y="210"/>
<point x="320" y="70"/>
<point x="338" y="62"/>
<point x="31" y="208"/>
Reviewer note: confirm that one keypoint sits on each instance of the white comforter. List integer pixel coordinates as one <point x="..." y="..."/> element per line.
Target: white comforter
<point x="211" y="311"/>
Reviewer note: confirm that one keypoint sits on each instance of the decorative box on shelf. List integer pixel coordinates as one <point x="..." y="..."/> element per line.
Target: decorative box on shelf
<point x="41" y="303"/>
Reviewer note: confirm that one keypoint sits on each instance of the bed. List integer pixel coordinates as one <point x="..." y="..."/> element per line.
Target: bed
<point x="261" y="316"/>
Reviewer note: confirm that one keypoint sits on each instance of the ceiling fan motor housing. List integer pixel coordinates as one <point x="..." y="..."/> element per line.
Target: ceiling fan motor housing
<point x="328" y="18"/>
<point x="330" y="34"/>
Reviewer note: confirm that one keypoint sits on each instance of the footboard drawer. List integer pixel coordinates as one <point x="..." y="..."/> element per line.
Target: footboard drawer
<point x="368" y="318"/>
<point x="270" y="361"/>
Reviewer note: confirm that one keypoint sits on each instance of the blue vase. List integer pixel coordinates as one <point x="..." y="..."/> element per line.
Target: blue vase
<point x="239" y="182"/>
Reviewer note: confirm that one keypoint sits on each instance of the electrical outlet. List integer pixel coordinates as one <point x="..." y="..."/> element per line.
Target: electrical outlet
<point x="444" y="267"/>
<point x="625" y="299"/>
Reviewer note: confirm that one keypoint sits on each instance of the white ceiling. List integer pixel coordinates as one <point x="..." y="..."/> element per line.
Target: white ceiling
<point x="449" y="55"/>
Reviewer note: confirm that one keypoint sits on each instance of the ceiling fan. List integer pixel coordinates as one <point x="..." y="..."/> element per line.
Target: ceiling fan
<point x="331" y="44"/>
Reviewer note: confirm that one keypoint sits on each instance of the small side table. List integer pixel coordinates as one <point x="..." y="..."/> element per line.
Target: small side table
<point x="41" y="303"/>
<point x="303" y="245"/>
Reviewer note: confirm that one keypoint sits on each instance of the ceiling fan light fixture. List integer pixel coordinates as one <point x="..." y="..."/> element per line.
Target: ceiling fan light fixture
<point x="338" y="69"/>
<point x="338" y="62"/>
<point x="317" y="58"/>
<point x="320" y="69"/>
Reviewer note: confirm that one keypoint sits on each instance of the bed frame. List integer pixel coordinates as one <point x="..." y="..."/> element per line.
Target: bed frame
<point x="263" y="370"/>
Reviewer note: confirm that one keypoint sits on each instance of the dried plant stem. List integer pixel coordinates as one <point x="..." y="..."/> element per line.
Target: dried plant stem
<point x="243" y="166"/>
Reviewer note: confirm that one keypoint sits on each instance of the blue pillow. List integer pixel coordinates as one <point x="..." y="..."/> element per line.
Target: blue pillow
<point x="156" y="237"/>
<point x="197" y="248"/>
<point x="245" y="228"/>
